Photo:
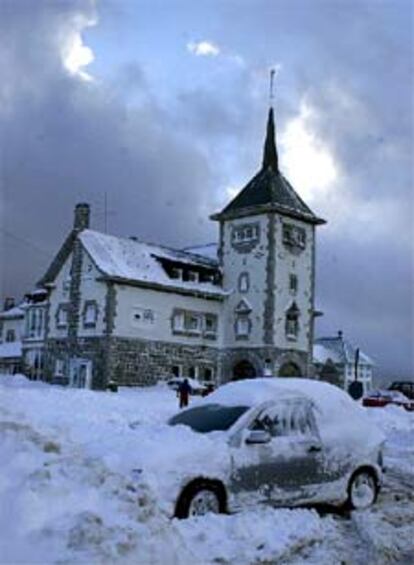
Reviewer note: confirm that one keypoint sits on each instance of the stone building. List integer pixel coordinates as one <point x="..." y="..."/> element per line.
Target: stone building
<point x="122" y="310"/>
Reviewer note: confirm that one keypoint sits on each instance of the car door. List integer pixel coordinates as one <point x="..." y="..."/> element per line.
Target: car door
<point x="281" y="470"/>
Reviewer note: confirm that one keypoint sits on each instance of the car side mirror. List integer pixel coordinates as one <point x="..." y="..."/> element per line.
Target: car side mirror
<point x="256" y="437"/>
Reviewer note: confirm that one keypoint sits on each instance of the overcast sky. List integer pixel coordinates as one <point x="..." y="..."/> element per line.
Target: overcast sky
<point x="162" y="107"/>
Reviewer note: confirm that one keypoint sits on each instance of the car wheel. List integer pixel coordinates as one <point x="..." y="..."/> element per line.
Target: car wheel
<point x="201" y="498"/>
<point x="362" y="490"/>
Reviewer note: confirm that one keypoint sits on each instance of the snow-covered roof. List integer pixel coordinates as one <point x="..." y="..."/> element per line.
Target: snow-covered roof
<point x="12" y="313"/>
<point x="208" y="250"/>
<point x="10" y="349"/>
<point x="338" y="350"/>
<point x="135" y="261"/>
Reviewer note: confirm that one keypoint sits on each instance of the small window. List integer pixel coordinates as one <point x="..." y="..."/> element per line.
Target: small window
<point x="244" y="282"/>
<point x="59" y="367"/>
<point x="192" y="322"/>
<point x="210" y="323"/>
<point x="242" y="326"/>
<point x="293" y="283"/>
<point x="292" y="322"/>
<point x="190" y="276"/>
<point x="208" y="374"/>
<point x="90" y="314"/>
<point x="10" y="335"/>
<point x="176" y="273"/>
<point x="62" y="316"/>
<point x="178" y="321"/>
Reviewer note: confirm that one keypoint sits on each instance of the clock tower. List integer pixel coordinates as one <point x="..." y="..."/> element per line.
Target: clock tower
<point x="267" y="256"/>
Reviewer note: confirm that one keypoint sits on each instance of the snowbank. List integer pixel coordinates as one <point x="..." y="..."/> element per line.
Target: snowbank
<point x="67" y="493"/>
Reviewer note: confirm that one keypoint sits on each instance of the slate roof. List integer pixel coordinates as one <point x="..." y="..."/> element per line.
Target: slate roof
<point x="269" y="190"/>
<point x="339" y="350"/>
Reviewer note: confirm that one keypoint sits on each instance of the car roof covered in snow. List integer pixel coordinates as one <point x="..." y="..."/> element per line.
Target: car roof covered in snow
<point x="337" y="414"/>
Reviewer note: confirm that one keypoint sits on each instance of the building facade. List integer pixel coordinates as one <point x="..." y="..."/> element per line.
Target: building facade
<point x="116" y="309"/>
<point x="11" y="334"/>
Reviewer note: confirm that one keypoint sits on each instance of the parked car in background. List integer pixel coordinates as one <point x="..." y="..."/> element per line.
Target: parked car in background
<point x="197" y="388"/>
<point x="283" y="442"/>
<point x="406" y="387"/>
<point x="381" y="398"/>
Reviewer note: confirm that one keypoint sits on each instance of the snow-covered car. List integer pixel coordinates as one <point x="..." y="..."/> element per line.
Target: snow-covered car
<point x="406" y="387"/>
<point x="284" y="442"/>
<point x="381" y="398"/>
<point x="197" y="387"/>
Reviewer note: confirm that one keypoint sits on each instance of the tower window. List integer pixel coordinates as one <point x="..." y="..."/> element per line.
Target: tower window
<point x="244" y="282"/>
<point x="294" y="236"/>
<point x="293" y="283"/>
<point x="292" y="322"/>
<point x="242" y="326"/>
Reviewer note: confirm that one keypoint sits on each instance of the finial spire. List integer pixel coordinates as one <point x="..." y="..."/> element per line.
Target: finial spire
<point x="270" y="159"/>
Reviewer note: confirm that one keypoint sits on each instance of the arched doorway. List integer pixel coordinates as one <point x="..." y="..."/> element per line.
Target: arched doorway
<point x="243" y="370"/>
<point x="290" y="369"/>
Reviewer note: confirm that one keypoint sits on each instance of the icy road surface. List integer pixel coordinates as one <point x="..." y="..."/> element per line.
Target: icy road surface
<point x="67" y="494"/>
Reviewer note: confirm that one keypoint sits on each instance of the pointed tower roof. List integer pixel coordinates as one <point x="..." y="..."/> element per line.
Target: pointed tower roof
<point x="270" y="159"/>
<point x="268" y="190"/>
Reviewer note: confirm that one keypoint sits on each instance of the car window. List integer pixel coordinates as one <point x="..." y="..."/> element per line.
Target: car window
<point x="209" y="418"/>
<point x="288" y="419"/>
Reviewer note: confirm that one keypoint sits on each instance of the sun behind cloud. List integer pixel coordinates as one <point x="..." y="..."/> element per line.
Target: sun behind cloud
<point x="307" y="161"/>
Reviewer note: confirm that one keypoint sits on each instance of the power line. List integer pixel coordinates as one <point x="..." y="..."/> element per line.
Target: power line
<point x="25" y="242"/>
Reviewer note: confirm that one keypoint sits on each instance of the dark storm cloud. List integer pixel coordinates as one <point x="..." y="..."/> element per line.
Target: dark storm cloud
<point x="66" y="140"/>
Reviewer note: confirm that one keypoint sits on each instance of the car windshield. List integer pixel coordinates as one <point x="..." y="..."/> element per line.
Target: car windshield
<point x="209" y="418"/>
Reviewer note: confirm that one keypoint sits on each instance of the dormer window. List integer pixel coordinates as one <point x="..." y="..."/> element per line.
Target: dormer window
<point x="190" y="276"/>
<point x="176" y="273"/>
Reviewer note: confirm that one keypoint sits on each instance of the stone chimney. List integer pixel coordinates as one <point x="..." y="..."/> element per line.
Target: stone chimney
<point x="340" y="334"/>
<point x="82" y="214"/>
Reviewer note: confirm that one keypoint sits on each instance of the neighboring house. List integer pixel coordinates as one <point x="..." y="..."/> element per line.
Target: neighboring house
<point x="35" y="310"/>
<point x="11" y="331"/>
<point x="334" y="361"/>
<point x="126" y="311"/>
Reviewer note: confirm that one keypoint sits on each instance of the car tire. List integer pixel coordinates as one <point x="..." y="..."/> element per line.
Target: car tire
<point x="200" y="498"/>
<point x="362" y="490"/>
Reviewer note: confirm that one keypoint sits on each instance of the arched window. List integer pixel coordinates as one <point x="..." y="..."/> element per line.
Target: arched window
<point x="244" y="282"/>
<point x="292" y="322"/>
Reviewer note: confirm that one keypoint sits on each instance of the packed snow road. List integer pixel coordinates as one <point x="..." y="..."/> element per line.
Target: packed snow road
<point x="68" y="492"/>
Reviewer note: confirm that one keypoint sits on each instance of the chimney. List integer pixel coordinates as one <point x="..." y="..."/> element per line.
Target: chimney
<point x="340" y="334"/>
<point x="9" y="303"/>
<point x="82" y="213"/>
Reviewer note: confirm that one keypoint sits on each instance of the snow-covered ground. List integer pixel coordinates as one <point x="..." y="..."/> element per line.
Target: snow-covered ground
<point x="68" y="492"/>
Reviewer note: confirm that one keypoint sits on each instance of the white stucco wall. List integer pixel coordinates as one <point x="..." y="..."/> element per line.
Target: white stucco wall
<point x="234" y="263"/>
<point x="300" y="265"/>
<point x="59" y="295"/>
<point x="91" y="289"/>
<point x="132" y="299"/>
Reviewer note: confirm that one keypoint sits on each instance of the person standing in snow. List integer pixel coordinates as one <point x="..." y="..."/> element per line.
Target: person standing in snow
<point x="183" y="393"/>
